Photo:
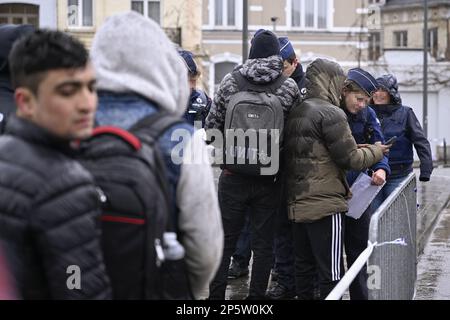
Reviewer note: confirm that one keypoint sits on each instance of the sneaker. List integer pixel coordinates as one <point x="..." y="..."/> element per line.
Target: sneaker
<point x="280" y="292"/>
<point x="236" y="271"/>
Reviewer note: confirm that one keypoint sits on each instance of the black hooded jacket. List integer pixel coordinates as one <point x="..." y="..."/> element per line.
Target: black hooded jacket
<point x="49" y="207"/>
<point x="8" y="35"/>
<point x="400" y="121"/>
<point x="299" y="77"/>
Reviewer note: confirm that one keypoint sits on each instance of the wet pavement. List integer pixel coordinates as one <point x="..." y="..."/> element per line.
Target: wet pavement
<point x="434" y="266"/>
<point x="433" y="270"/>
<point x="432" y="198"/>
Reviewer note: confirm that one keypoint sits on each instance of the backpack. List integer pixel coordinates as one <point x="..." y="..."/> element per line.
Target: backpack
<point x="252" y="115"/>
<point x="136" y="214"/>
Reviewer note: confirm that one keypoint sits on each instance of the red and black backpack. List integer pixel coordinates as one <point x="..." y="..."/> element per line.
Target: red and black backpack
<point x="130" y="172"/>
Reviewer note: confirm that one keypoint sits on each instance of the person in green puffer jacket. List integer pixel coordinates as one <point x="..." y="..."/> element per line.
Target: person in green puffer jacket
<point x="319" y="150"/>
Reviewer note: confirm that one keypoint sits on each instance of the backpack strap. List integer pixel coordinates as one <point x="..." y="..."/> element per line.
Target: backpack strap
<point x="150" y="128"/>
<point x="244" y="84"/>
<point x="126" y="136"/>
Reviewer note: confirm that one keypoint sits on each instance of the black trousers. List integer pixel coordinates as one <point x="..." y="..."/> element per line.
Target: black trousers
<point x="283" y="246"/>
<point x="318" y="249"/>
<point x="239" y="196"/>
<point x="356" y="237"/>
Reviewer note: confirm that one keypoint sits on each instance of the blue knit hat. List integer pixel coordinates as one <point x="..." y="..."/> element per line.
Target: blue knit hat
<point x="286" y="49"/>
<point x="363" y="79"/>
<point x="190" y="63"/>
<point x="389" y="83"/>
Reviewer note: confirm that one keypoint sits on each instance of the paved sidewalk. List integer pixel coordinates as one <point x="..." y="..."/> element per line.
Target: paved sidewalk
<point x="433" y="270"/>
<point x="432" y="198"/>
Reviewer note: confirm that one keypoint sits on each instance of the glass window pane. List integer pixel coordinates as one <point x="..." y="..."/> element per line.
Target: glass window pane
<point x="137" y="6"/>
<point x="5" y="8"/>
<point x="296" y="13"/>
<point x="218" y="21"/>
<point x="73" y="12"/>
<point x="17" y="20"/>
<point x="221" y="70"/>
<point x="231" y="13"/>
<point x="3" y="20"/>
<point x="154" y="11"/>
<point x="33" y="9"/>
<point x="33" y="21"/>
<point x="309" y="10"/>
<point x="322" y="13"/>
<point x="87" y="13"/>
<point x="18" y="8"/>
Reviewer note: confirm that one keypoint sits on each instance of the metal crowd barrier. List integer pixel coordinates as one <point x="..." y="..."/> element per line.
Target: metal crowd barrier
<point x="392" y="268"/>
<point x="396" y="218"/>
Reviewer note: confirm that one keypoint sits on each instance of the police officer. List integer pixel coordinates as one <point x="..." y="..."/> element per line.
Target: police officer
<point x="366" y="129"/>
<point x="199" y="103"/>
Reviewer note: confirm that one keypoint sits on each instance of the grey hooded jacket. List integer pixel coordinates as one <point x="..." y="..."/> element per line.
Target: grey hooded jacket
<point x="146" y="64"/>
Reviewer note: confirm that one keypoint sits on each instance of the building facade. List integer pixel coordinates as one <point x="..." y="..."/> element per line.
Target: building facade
<point x="180" y="19"/>
<point x="39" y="13"/>
<point x="334" y="29"/>
<point x="399" y="50"/>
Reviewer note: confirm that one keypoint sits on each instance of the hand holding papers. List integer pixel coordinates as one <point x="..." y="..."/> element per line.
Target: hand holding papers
<point x="363" y="193"/>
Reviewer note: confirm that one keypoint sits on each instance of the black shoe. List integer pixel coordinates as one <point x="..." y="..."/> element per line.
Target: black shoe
<point x="280" y="292"/>
<point x="274" y="275"/>
<point x="236" y="271"/>
<point x="256" y="298"/>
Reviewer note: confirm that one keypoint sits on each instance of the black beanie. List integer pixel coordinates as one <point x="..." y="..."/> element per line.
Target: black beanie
<point x="264" y="45"/>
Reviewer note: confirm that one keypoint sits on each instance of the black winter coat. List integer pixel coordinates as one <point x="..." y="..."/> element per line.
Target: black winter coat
<point x="48" y="216"/>
<point x="7" y="105"/>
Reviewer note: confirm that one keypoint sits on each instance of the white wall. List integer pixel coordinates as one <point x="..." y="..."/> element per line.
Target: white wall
<point x="436" y="131"/>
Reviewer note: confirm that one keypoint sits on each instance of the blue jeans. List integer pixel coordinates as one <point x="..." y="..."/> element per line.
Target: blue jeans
<point x="389" y="187"/>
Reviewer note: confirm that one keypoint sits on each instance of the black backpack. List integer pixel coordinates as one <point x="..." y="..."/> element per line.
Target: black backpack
<point x="254" y="110"/>
<point x="129" y="169"/>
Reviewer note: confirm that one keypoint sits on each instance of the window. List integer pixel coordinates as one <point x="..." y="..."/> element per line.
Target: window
<point x="225" y="12"/>
<point x="17" y="13"/>
<point x="401" y="39"/>
<point x="151" y="9"/>
<point x="311" y="14"/>
<point x="433" y="41"/>
<point x="80" y="13"/>
<point x="374" y="46"/>
<point x="221" y="69"/>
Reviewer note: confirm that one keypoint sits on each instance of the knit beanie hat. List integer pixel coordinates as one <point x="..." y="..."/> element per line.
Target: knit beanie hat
<point x="264" y="45"/>
<point x="286" y="48"/>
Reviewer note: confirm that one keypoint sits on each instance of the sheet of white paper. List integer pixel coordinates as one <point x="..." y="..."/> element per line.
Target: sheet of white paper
<point x="363" y="193"/>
